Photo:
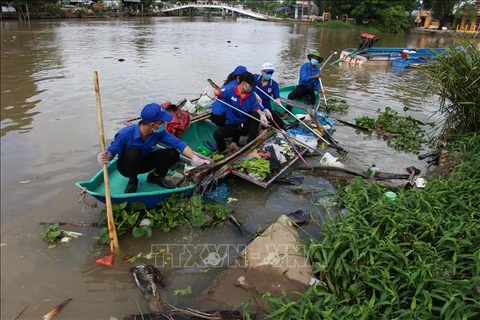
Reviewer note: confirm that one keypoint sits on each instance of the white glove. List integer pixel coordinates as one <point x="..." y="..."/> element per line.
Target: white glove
<point x="259" y="100"/>
<point x="268" y="114"/>
<point x="104" y="157"/>
<point x="277" y="102"/>
<point x="263" y="119"/>
<point x="197" y="161"/>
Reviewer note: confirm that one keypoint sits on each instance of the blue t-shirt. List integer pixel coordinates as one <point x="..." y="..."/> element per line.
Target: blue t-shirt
<point x="218" y="107"/>
<point x="130" y="137"/>
<point x="247" y="102"/>
<point x="271" y="88"/>
<point x="306" y="72"/>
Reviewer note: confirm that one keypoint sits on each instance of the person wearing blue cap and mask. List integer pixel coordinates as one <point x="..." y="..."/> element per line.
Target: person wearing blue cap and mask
<point x="267" y="88"/>
<point x="240" y="97"/>
<point x="309" y="80"/>
<point x="218" y="109"/>
<point x="135" y="147"/>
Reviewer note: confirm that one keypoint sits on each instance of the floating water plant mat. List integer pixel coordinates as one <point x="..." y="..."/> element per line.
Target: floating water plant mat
<point x="404" y="132"/>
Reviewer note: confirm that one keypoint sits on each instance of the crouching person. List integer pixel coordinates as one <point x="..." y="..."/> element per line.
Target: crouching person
<point x="243" y="113"/>
<point x="135" y="147"/>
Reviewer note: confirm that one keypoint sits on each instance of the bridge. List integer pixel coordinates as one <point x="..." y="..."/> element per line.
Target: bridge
<point x="225" y="7"/>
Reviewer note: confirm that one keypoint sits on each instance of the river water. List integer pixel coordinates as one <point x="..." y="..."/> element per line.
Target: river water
<point x="49" y="138"/>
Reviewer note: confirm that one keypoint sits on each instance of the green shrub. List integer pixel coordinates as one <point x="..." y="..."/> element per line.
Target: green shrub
<point x="417" y="257"/>
<point x="455" y="78"/>
<point x="338" y="24"/>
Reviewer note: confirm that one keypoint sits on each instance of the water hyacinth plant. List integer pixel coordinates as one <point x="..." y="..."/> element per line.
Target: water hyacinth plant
<point x="173" y="212"/>
<point x="416" y="257"/>
<point x="405" y="132"/>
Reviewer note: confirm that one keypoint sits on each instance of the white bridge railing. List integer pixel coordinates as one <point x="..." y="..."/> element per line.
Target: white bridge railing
<point x="226" y="6"/>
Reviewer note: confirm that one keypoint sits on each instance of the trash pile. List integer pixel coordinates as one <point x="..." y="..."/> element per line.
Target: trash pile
<point x="303" y="135"/>
<point x="201" y="105"/>
<point x="266" y="160"/>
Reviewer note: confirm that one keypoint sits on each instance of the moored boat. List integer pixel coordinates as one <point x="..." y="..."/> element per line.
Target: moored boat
<point x="385" y="55"/>
<point x="367" y="53"/>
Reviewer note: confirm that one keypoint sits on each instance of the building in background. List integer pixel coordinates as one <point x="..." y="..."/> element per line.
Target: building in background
<point x="468" y="18"/>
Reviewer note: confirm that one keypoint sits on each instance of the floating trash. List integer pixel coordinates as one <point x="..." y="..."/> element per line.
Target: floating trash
<point x="299" y="217"/>
<point x="390" y="195"/>
<point x="220" y="194"/>
<point x="420" y="183"/>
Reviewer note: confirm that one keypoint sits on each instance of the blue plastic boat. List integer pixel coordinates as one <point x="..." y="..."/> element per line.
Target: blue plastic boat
<point x="379" y="55"/>
<point x="408" y="63"/>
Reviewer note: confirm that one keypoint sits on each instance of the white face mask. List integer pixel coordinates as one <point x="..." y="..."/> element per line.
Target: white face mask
<point x="248" y="88"/>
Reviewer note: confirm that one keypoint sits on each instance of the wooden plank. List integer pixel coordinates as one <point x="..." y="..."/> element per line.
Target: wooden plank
<point x="219" y="169"/>
<point x="356" y="126"/>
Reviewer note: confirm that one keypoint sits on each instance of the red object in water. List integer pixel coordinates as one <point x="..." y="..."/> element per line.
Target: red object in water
<point x="106" y="260"/>
<point x="127" y="256"/>
<point x="368" y="36"/>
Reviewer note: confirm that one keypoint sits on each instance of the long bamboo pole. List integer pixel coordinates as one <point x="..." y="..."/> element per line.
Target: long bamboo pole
<point x="112" y="232"/>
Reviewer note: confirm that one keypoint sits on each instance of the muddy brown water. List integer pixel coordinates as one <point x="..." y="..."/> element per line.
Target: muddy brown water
<point x="49" y="140"/>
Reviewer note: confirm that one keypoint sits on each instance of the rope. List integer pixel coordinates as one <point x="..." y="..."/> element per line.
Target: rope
<point x="82" y="199"/>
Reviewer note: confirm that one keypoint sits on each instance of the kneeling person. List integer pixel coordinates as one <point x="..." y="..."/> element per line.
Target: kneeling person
<point x="135" y="146"/>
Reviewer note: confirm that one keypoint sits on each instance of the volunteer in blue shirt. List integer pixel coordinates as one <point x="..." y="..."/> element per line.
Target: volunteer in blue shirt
<point x="218" y="109"/>
<point x="266" y="87"/>
<point x="309" y="79"/>
<point x="243" y="98"/>
<point x="135" y="147"/>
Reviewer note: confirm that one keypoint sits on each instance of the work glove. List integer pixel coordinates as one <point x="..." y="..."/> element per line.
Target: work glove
<point x="259" y="100"/>
<point x="197" y="161"/>
<point x="263" y="119"/>
<point x="277" y="102"/>
<point x="268" y="114"/>
<point x="104" y="157"/>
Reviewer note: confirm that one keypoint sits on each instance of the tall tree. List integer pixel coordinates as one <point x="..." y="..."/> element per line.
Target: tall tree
<point x="441" y="7"/>
<point x="394" y="15"/>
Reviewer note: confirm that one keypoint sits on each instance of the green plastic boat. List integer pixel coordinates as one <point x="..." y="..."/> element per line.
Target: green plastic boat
<point x="147" y="193"/>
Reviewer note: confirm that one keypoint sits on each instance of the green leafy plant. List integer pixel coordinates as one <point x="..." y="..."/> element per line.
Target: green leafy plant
<point x="257" y="167"/>
<point x="417" y="257"/>
<point x="335" y="105"/>
<point x="51" y="233"/>
<point x="454" y="76"/>
<point x="169" y="214"/>
<point x="183" y="292"/>
<point x="404" y="132"/>
<point x="366" y="122"/>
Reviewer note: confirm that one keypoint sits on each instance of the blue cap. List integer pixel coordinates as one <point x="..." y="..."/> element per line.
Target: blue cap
<point x="239" y="70"/>
<point x="152" y="112"/>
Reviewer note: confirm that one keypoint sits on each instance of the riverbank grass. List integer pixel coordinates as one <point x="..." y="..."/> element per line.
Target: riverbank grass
<point x="338" y="24"/>
<point x="416" y="257"/>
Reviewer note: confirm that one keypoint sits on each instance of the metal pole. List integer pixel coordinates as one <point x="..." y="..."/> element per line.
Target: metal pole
<point x="323" y="65"/>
